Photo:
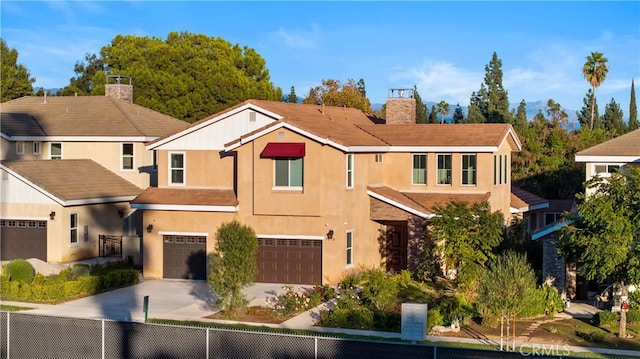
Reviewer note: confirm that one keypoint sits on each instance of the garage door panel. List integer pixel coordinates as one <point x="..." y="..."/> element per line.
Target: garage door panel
<point x="23" y="239"/>
<point x="289" y="261"/>
<point x="184" y="257"/>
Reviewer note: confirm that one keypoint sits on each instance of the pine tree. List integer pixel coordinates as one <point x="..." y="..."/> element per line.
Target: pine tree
<point x="458" y="115"/>
<point x="361" y="88"/>
<point x="16" y="81"/>
<point x="612" y="119"/>
<point x="475" y="114"/>
<point x="584" y="115"/>
<point x="492" y="100"/>
<point x="633" y="110"/>
<point x="433" y="115"/>
<point x="520" y="119"/>
<point x="422" y="111"/>
<point x="292" y="98"/>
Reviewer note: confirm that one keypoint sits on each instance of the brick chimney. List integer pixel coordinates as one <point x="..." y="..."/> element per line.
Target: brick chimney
<point x="401" y="107"/>
<point x="119" y="87"/>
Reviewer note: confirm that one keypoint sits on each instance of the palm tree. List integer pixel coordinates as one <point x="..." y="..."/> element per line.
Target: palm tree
<point x="443" y="109"/>
<point x="595" y="71"/>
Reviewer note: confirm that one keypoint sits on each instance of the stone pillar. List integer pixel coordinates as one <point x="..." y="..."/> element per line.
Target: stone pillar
<point x="401" y="107"/>
<point x="553" y="266"/>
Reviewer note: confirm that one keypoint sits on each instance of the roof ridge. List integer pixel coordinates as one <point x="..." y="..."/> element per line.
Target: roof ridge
<point x="125" y="114"/>
<point x="371" y="134"/>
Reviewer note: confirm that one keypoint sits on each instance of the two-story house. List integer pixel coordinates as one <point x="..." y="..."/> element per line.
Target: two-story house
<point x="326" y="189"/>
<point x="72" y="164"/>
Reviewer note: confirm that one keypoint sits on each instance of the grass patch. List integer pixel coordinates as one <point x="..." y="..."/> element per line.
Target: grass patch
<point x="13" y="308"/>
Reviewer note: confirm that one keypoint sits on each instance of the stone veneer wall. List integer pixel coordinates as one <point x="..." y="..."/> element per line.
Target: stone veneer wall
<point x="121" y="91"/>
<point x="401" y="111"/>
<point x="554" y="267"/>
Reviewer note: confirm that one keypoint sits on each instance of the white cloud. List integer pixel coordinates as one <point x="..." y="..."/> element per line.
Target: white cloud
<point x="298" y="39"/>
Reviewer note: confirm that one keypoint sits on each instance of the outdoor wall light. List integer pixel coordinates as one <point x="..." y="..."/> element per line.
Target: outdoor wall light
<point x="149" y="228"/>
<point x="120" y="213"/>
<point x="52" y="215"/>
<point x="330" y="234"/>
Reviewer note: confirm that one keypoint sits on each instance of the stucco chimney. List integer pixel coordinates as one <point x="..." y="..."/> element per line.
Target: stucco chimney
<point x="119" y="87"/>
<point x="401" y="107"/>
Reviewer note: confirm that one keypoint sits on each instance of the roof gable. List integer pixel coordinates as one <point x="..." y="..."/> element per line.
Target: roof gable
<point x="627" y="147"/>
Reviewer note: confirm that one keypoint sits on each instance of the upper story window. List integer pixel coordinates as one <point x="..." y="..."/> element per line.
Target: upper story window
<point x="419" y="175"/>
<point x="469" y="169"/>
<point x="127" y="156"/>
<point x="349" y="170"/>
<point x="349" y="248"/>
<point x="552" y="217"/>
<point x="176" y="168"/>
<point x="444" y="169"/>
<point x="288" y="172"/>
<point x="379" y="158"/>
<point x="500" y="169"/>
<point x="73" y="228"/>
<point x="20" y="147"/>
<point x="56" y="151"/>
<point x="605" y="170"/>
<point x="36" y="148"/>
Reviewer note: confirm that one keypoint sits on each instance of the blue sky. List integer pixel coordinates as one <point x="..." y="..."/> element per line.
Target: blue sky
<point x="441" y="47"/>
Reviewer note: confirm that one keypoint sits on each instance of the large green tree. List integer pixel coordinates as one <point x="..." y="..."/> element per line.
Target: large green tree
<point x="603" y="237"/>
<point x="433" y="115"/>
<point x="422" y="111"/>
<point x="334" y="93"/>
<point x="458" y="115"/>
<point x="292" y="98"/>
<point x="90" y="77"/>
<point x="595" y="71"/>
<point x="15" y="78"/>
<point x="468" y="233"/>
<point x="520" y="119"/>
<point x="633" y="110"/>
<point x="492" y="100"/>
<point x="233" y="265"/>
<point x="612" y="119"/>
<point x="443" y="109"/>
<point x="189" y="76"/>
<point x="589" y="106"/>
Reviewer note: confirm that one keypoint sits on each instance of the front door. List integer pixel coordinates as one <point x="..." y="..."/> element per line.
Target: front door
<point x="396" y="248"/>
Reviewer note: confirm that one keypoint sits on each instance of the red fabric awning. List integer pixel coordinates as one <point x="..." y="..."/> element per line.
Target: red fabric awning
<point x="283" y="149"/>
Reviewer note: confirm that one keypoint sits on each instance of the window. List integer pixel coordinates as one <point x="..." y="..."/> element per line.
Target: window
<point x="349" y="170"/>
<point x="176" y="168"/>
<point x="349" y="248"/>
<point x="606" y="170"/>
<point x="378" y="157"/>
<point x="551" y="217"/>
<point x="505" y="172"/>
<point x="419" y="169"/>
<point x="127" y="156"/>
<point x="20" y="147"/>
<point x="36" y="148"/>
<point x="469" y="169"/>
<point x="56" y="151"/>
<point x="500" y="169"/>
<point x="444" y="169"/>
<point x="495" y="169"/>
<point x="288" y="172"/>
<point x="74" y="228"/>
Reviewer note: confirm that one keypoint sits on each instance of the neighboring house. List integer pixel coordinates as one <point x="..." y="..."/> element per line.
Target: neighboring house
<point x="605" y="158"/>
<point x="56" y="210"/>
<point x="110" y="131"/>
<point x="326" y="189"/>
<point x="530" y="207"/>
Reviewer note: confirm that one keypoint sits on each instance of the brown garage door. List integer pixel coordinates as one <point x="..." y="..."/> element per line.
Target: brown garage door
<point x="289" y="261"/>
<point x="23" y="239"/>
<point x="185" y="257"/>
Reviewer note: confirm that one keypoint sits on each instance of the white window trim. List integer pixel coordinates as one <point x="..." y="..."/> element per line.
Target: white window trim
<point x="438" y="169"/>
<point x="122" y="156"/>
<point x="604" y="174"/>
<point x="71" y="228"/>
<point x="287" y="188"/>
<point x="426" y="167"/>
<point x="20" y="147"/>
<point x="350" y="171"/>
<point x="38" y="145"/>
<point x="184" y="168"/>
<point x="378" y="157"/>
<point x="349" y="233"/>
<point x="462" y="170"/>
<point x="51" y="150"/>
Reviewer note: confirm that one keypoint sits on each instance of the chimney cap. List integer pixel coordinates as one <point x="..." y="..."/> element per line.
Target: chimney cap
<point x="401" y="93"/>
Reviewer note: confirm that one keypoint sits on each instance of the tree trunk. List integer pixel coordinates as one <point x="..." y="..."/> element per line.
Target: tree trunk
<point x="623" y="313"/>
<point x="501" y="331"/>
<point x="593" y="104"/>
<point x="513" y="346"/>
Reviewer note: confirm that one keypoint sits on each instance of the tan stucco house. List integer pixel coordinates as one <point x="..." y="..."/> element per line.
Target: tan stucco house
<point x="109" y="131"/>
<point x="326" y="189"/>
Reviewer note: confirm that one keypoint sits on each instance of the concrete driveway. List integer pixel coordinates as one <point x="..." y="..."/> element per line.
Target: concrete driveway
<point x="178" y="299"/>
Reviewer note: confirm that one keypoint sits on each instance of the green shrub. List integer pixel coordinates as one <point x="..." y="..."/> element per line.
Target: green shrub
<point x="457" y="307"/>
<point x="488" y="318"/>
<point x="434" y="317"/>
<point x="605" y="318"/>
<point x="633" y="316"/>
<point x="552" y="300"/>
<point x="20" y="270"/>
<point x="80" y="270"/>
<point x="387" y="321"/>
<point x="593" y="337"/>
<point x="634" y="299"/>
<point x="350" y="281"/>
<point x="403" y="279"/>
<point x="378" y="291"/>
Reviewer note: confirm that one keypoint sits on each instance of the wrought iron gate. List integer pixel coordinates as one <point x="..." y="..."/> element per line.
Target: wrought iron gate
<point x="110" y="245"/>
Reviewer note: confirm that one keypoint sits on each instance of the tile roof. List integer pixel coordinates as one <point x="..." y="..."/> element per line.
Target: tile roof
<point x="187" y="196"/>
<point x="74" y="180"/>
<point x="83" y="116"/>
<point x="524" y="200"/>
<point x="625" y="145"/>
<point x="425" y="201"/>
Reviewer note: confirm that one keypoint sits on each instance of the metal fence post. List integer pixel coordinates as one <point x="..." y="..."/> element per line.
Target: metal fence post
<point x="102" y="337"/>
<point x="435" y="352"/>
<point x="207" y="345"/>
<point x="8" y="336"/>
<point x="315" y="349"/>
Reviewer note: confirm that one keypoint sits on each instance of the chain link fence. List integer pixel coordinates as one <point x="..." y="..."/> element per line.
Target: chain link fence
<point x="30" y="336"/>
